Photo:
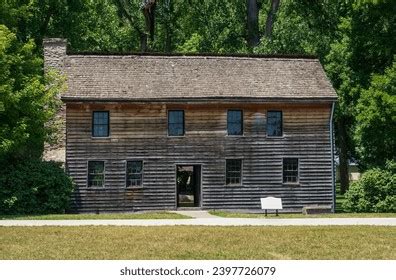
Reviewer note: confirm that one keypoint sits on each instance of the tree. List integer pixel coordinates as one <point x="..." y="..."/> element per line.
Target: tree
<point x="365" y="45"/>
<point x="128" y="9"/>
<point x="375" y="132"/>
<point x="27" y="99"/>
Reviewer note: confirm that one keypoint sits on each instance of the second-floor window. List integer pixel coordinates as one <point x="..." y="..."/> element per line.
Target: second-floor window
<point x="234" y="122"/>
<point x="175" y="122"/>
<point x="100" y="124"/>
<point x="134" y="173"/>
<point x="274" y="123"/>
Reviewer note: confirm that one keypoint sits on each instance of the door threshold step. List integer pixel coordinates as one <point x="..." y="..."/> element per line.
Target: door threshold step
<point x="189" y="209"/>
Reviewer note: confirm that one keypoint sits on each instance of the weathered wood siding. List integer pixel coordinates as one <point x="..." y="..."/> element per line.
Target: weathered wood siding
<point x="139" y="131"/>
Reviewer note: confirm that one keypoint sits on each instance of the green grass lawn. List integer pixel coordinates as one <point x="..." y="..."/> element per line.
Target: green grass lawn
<point x="112" y="216"/>
<point x="189" y="242"/>
<point x="227" y="214"/>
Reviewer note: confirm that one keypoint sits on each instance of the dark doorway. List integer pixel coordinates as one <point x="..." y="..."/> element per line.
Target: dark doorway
<point x="188" y="185"/>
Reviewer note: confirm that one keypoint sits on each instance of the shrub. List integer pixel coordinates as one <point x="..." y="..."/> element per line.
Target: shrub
<point x="34" y="187"/>
<point x="374" y="192"/>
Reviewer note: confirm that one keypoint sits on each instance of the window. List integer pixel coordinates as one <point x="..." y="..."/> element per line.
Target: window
<point x="274" y="123"/>
<point x="134" y="173"/>
<point x="234" y="122"/>
<point x="175" y="122"/>
<point x="95" y="173"/>
<point x="290" y="170"/>
<point x="233" y="171"/>
<point x="100" y="124"/>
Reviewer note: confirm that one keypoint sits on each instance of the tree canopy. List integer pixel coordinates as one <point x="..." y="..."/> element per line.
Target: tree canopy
<point x="27" y="100"/>
<point x="354" y="39"/>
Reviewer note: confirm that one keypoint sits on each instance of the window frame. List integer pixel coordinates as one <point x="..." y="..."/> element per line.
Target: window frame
<point x="104" y="174"/>
<point x="93" y="123"/>
<point x="297" y="182"/>
<point x="242" y="124"/>
<point x="184" y="122"/>
<point x="141" y="173"/>
<point x="241" y="173"/>
<point x="281" y="124"/>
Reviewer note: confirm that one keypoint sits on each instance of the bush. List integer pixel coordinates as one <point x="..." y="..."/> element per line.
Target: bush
<point x="34" y="187"/>
<point x="374" y="192"/>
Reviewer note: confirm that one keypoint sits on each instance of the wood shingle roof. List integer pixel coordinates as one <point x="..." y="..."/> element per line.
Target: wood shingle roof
<point x="178" y="78"/>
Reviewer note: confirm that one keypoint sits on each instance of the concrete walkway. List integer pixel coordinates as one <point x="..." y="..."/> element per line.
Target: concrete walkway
<point x="199" y="214"/>
<point x="209" y="221"/>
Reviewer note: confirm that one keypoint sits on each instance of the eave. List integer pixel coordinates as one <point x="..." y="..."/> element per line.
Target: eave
<point x="67" y="99"/>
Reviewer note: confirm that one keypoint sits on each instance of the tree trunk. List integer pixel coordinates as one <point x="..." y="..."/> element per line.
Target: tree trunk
<point x="253" y="37"/>
<point x="271" y="18"/>
<point x="168" y="25"/>
<point x="143" y="42"/>
<point x="343" y="155"/>
<point x="148" y="9"/>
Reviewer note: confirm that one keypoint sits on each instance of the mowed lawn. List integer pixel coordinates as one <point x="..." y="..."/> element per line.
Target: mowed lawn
<point x="271" y="215"/>
<point x="102" y="216"/>
<point x="196" y="242"/>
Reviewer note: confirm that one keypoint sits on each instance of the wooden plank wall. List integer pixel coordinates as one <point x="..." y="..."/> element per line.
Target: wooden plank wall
<point x="139" y="131"/>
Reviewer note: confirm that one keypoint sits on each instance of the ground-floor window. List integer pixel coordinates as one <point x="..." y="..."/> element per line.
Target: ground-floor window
<point x="233" y="172"/>
<point x="290" y="170"/>
<point x="134" y="173"/>
<point x="96" y="173"/>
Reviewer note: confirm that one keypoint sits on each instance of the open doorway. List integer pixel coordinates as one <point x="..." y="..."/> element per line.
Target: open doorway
<point x="188" y="185"/>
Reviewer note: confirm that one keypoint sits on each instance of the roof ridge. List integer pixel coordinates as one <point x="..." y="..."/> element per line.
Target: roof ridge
<point x="195" y="55"/>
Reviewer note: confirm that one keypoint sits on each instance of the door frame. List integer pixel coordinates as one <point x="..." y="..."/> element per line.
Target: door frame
<point x="200" y="182"/>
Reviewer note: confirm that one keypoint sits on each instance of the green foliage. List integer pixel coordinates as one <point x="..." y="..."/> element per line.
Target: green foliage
<point x="93" y="26"/>
<point x="34" y="187"/>
<point x="374" y="192"/>
<point x="219" y="25"/>
<point x="304" y="26"/>
<point x="27" y="99"/>
<point x="88" y="25"/>
<point x="192" y="45"/>
<point x="375" y="133"/>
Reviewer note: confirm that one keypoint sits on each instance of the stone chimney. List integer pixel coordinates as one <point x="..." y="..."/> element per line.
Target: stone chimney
<point x="54" y="58"/>
<point x="54" y="53"/>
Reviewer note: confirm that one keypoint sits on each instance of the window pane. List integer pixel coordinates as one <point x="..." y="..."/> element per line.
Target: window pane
<point x="233" y="171"/>
<point x="176" y="123"/>
<point x="100" y="124"/>
<point x="176" y="129"/>
<point x="290" y="170"/>
<point x="274" y="123"/>
<point x="234" y="122"/>
<point x="134" y="166"/>
<point x="175" y="116"/>
<point x="96" y="173"/>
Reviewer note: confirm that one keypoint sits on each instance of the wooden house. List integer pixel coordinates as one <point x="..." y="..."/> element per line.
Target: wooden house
<point x="146" y="132"/>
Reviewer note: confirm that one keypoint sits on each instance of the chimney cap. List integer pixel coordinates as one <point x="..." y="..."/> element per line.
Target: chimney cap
<point x="55" y="41"/>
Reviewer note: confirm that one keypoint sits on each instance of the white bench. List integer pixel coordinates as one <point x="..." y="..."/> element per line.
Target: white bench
<point x="271" y="203"/>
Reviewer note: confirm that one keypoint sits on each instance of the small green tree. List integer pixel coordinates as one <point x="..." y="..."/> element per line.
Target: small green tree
<point x="374" y="192"/>
<point x="34" y="187"/>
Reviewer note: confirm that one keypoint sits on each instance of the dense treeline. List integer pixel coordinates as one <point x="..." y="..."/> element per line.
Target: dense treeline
<point x="355" y="41"/>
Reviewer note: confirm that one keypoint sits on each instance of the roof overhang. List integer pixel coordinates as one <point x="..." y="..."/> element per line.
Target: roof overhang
<point x="67" y="99"/>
